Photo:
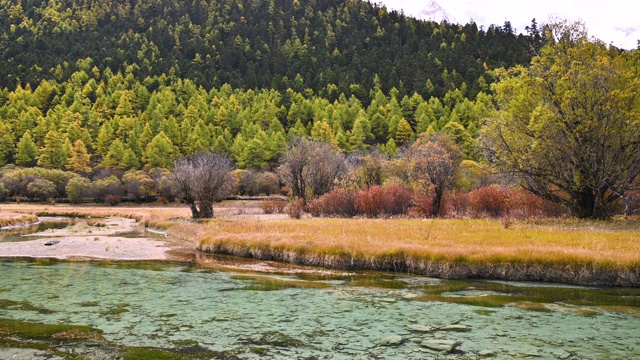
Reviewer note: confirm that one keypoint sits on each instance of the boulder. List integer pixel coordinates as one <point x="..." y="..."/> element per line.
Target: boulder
<point x="420" y="328"/>
<point x="393" y="340"/>
<point x="456" y="328"/>
<point x="441" y="345"/>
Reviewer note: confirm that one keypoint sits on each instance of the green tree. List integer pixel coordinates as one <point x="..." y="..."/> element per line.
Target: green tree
<point x="53" y="155"/>
<point x="6" y="144"/>
<point x="114" y="155"/>
<point x="26" y="152"/>
<point x="160" y="152"/>
<point x="569" y="126"/>
<point x="404" y="134"/>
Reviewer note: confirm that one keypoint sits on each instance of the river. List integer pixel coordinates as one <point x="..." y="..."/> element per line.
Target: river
<point x="339" y="316"/>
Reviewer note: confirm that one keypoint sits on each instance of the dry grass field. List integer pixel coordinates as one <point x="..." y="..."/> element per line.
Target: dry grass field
<point x="563" y="250"/>
<point x="615" y="243"/>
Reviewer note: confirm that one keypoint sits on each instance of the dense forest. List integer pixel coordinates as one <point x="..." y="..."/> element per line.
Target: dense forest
<point x="116" y="90"/>
<point x="141" y="82"/>
<point x="329" y="46"/>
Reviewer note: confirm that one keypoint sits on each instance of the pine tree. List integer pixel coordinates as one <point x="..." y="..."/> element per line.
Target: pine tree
<point x="160" y="152"/>
<point x="26" y="152"/>
<point x="129" y="160"/>
<point x="53" y="155"/>
<point x="114" y="155"/>
<point x="404" y="134"/>
<point x="80" y="159"/>
<point x="6" y="144"/>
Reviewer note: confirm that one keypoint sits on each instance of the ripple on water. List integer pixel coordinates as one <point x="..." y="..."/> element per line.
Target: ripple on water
<point x="160" y="305"/>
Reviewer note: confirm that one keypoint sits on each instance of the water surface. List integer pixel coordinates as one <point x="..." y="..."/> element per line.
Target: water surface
<point x="251" y="315"/>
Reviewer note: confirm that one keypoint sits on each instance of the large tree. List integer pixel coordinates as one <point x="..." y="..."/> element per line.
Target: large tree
<point x="310" y="168"/>
<point x="569" y="125"/>
<point x="202" y="179"/>
<point x="431" y="164"/>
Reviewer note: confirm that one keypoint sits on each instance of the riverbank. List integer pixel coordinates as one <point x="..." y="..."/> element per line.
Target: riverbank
<point x="561" y="251"/>
<point x="568" y="251"/>
<point x="10" y="220"/>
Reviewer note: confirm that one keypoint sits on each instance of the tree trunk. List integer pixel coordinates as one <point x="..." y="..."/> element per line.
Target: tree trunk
<point x="194" y="211"/>
<point x="437" y="200"/>
<point x="206" y="210"/>
<point x="584" y="207"/>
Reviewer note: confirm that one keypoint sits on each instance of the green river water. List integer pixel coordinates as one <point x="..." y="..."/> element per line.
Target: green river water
<point x="196" y="312"/>
<point x="169" y="305"/>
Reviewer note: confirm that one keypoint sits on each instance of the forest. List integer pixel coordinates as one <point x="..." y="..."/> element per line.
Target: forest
<point x="112" y="92"/>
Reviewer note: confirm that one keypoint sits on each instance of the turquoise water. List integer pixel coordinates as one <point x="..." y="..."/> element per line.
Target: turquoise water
<point x="166" y="305"/>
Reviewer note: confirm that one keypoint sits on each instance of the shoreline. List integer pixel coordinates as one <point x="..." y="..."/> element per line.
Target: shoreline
<point x="569" y="274"/>
<point x="596" y="254"/>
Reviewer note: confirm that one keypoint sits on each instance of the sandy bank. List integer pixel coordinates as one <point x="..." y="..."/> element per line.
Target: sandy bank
<point x="82" y="240"/>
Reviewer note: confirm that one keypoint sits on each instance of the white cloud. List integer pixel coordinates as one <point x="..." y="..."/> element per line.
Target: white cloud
<point x="613" y="21"/>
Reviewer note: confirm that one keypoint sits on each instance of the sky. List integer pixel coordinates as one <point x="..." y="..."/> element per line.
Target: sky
<point x="615" y="22"/>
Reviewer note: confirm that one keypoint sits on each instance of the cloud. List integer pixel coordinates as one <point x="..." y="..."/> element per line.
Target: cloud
<point x="613" y="21"/>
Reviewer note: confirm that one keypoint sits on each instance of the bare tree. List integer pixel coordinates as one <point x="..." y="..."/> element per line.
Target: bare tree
<point x="201" y="180"/>
<point x="310" y="168"/>
<point x="432" y="162"/>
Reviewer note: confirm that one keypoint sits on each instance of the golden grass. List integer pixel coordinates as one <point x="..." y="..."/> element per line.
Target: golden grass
<point x="144" y="213"/>
<point x="611" y="244"/>
<point x="15" y="219"/>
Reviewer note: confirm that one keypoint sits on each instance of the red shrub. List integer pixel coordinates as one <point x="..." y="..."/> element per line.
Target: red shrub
<point x="455" y="204"/>
<point x="295" y="209"/>
<point x="388" y="201"/>
<point x="530" y="205"/>
<point x="337" y="202"/>
<point x="490" y="201"/>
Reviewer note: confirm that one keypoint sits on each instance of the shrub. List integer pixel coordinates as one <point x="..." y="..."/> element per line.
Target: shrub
<point x="491" y="201"/>
<point x="456" y="204"/>
<point x="245" y="182"/>
<point x="112" y="199"/>
<point x="108" y="186"/>
<point x="79" y="189"/>
<point x="388" y="201"/>
<point x="273" y="206"/>
<point x="138" y="185"/>
<point x="295" y="209"/>
<point x="530" y="205"/>
<point x="267" y="183"/>
<point x="337" y="202"/>
<point x="41" y="189"/>
<point x="16" y="180"/>
<point x="3" y="192"/>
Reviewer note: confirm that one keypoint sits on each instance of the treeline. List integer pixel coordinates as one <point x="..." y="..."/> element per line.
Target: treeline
<point x="331" y="47"/>
<point x="104" y="120"/>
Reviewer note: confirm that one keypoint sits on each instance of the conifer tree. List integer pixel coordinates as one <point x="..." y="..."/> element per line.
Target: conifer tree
<point x="53" y="155"/>
<point x="80" y="159"/>
<point x="26" y="152"/>
<point x="160" y="152"/>
<point x="115" y="154"/>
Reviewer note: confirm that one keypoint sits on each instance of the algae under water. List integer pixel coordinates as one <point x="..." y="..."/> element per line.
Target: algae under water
<point x="181" y="310"/>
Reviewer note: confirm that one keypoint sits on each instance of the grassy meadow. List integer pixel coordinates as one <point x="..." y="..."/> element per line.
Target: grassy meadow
<point x="566" y="250"/>
<point x="563" y="250"/>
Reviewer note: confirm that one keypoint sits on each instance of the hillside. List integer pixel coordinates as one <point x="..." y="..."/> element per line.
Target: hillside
<point x="253" y="44"/>
<point x="142" y="82"/>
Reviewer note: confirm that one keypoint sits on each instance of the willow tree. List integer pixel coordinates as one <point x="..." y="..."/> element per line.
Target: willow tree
<point x="202" y="179"/>
<point x="569" y="125"/>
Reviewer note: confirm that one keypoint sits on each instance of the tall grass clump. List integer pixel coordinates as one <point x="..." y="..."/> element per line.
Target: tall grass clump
<point x="295" y="209"/>
<point x="273" y="206"/>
